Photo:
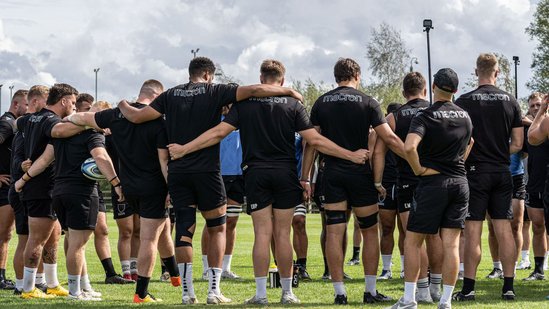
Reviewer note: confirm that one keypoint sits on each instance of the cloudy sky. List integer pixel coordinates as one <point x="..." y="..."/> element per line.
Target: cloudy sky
<point x="43" y="42"/>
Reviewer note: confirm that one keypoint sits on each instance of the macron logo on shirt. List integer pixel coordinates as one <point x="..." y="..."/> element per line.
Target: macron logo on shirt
<point x="450" y="114"/>
<point x="341" y="97"/>
<point x="490" y="97"/>
<point x="189" y="92"/>
<point x="276" y="100"/>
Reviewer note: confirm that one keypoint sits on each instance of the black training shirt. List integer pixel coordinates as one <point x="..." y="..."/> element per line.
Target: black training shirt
<point x="403" y="118"/>
<point x="446" y="131"/>
<point x="137" y="150"/>
<point x="494" y="114"/>
<point x="7" y="131"/>
<point x="345" y="115"/>
<point x="70" y="153"/>
<point x="37" y="134"/>
<point x="192" y="109"/>
<point x="390" y="172"/>
<point x="538" y="158"/>
<point x="267" y="130"/>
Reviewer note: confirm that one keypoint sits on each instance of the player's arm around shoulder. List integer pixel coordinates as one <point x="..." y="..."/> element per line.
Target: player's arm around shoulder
<point x="39" y="165"/>
<point x="104" y="163"/>
<point x="209" y="138"/>
<point x="137" y="115"/>
<point x="265" y="90"/>
<point x="330" y="148"/>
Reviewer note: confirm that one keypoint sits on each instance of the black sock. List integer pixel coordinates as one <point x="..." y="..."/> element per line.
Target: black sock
<point x="2" y="274"/>
<point x="356" y="253"/>
<point x="108" y="267"/>
<point x="171" y="266"/>
<point x="163" y="268"/>
<point x="539" y="264"/>
<point x="326" y="271"/>
<point x="468" y="286"/>
<point x="142" y="286"/>
<point x="507" y="284"/>
<point x="302" y="262"/>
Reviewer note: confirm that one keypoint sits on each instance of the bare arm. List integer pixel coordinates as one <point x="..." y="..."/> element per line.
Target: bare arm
<point x="390" y="139"/>
<point x="104" y="163"/>
<point x="468" y="149"/>
<point x="380" y="150"/>
<point x="45" y="159"/>
<point x="83" y="119"/>
<point x="517" y="138"/>
<point x="137" y="115"/>
<point x="411" y="155"/>
<point x="539" y="129"/>
<point x="330" y="148"/>
<point x="264" y="90"/>
<point x="206" y="139"/>
<point x="65" y="129"/>
<point x="163" y="157"/>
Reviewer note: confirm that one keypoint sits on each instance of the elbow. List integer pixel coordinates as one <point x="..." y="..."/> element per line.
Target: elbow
<point x="409" y="149"/>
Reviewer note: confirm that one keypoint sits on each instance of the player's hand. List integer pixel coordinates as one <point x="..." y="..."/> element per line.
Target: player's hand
<point x="19" y="184"/>
<point x="429" y="171"/>
<point x="25" y="165"/>
<point x="5" y="180"/>
<point x="313" y="186"/>
<point x="306" y="189"/>
<point x="120" y="194"/>
<point x="168" y="201"/>
<point x="360" y="156"/>
<point x="296" y="95"/>
<point x="176" y="151"/>
<point x="107" y="131"/>
<point x="382" y="192"/>
<point x="544" y="104"/>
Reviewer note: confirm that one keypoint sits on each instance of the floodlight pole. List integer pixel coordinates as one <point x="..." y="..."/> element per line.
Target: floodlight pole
<point x="427" y="26"/>
<point x="517" y="62"/>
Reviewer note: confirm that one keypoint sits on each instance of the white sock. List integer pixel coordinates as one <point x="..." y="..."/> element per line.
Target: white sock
<point x="286" y="284"/>
<point x="339" y="288"/>
<point x="423" y="286"/>
<point x="28" y="278"/>
<point x="461" y="267"/>
<point x="205" y="264"/>
<point x="50" y="270"/>
<point x="402" y="262"/>
<point x="186" y="274"/>
<point x="74" y="285"/>
<point x="497" y="264"/>
<point x="409" y="292"/>
<point x="447" y="291"/>
<point x="546" y="260"/>
<point x="214" y="279"/>
<point x="40" y="279"/>
<point x="133" y="265"/>
<point x="370" y="282"/>
<point x="125" y="267"/>
<point x="19" y="284"/>
<point x="436" y="280"/>
<point x="261" y="287"/>
<point x="85" y="282"/>
<point x="525" y="255"/>
<point x="227" y="258"/>
<point x="386" y="261"/>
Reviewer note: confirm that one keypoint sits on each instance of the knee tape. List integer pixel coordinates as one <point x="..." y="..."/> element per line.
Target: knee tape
<point x="234" y="210"/>
<point x="335" y="216"/>
<point x="216" y="221"/>
<point x="368" y="221"/>
<point x="185" y="224"/>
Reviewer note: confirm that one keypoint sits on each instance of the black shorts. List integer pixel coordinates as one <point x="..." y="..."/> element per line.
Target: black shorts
<point x="492" y="193"/>
<point x="171" y="214"/>
<point x="20" y="212"/>
<point x="205" y="190"/>
<point x="405" y="196"/>
<point x="519" y="187"/>
<point x="120" y="210"/>
<point x="148" y="206"/>
<point x="4" y="191"/>
<point x="40" y="209"/>
<point x="525" y="216"/>
<point x="234" y="188"/>
<point x="440" y="202"/>
<point x="76" y="212"/>
<point x="534" y="200"/>
<point x="318" y="195"/>
<point x="390" y="201"/>
<point x="102" y="206"/>
<point x="278" y="187"/>
<point x="357" y="189"/>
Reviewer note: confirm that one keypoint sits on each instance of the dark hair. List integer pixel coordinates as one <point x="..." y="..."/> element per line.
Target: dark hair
<point x="83" y="97"/>
<point x="345" y="69"/>
<point x="392" y="107"/>
<point x="272" y="69"/>
<point x="413" y="84"/>
<point x="201" y="65"/>
<point x="58" y="91"/>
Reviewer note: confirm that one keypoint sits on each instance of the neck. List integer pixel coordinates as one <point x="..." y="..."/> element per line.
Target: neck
<point x="442" y="99"/>
<point x="486" y="81"/>
<point x="348" y="83"/>
<point x="57" y="109"/>
<point x="13" y="111"/>
<point x="144" y="100"/>
<point x="198" y="80"/>
<point x="416" y="97"/>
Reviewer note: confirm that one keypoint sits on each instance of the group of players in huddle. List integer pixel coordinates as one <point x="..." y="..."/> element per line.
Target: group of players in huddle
<point x="440" y="168"/>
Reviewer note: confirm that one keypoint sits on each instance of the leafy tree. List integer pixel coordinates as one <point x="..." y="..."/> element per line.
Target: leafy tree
<point x="222" y="78"/>
<point x="539" y="30"/>
<point x="310" y="90"/>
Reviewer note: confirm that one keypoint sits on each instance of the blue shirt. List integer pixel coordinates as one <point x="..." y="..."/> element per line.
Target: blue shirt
<point x="298" y="153"/>
<point x="516" y="167"/>
<point x="231" y="154"/>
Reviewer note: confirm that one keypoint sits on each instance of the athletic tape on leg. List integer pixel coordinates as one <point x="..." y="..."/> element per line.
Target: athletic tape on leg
<point x="335" y="216"/>
<point x="368" y="221"/>
<point x="185" y="225"/>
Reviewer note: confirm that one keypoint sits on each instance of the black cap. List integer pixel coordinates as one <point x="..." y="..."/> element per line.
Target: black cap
<point x="446" y="79"/>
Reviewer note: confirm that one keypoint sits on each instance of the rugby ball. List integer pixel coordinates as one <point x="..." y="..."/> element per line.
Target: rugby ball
<point x="90" y="170"/>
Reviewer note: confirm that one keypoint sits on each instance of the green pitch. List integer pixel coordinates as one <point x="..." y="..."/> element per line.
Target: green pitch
<point x="313" y="294"/>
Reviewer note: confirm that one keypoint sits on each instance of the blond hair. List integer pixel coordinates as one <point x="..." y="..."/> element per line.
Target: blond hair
<point x="487" y="64"/>
<point x="37" y="90"/>
<point x="272" y="69"/>
<point x="101" y="105"/>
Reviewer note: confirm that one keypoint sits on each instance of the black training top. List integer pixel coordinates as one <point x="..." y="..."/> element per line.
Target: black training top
<point x="7" y="131"/>
<point x="403" y="118"/>
<point x="18" y="149"/>
<point x="267" y="130"/>
<point x="37" y="134"/>
<point x="390" y="172"/>
<point x="494" y="114"/>
<point x="136" y="147"/>
<point x="345" y="115"/>
<point x="192" y="109"/>
<point x="446" y="130"/>
<point x="70" y="153"/>
<point x="538" y="158"/>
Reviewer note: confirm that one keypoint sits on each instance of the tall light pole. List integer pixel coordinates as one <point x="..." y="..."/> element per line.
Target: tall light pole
<point x="194" y="52"/>
<point x="11" y="92"/>
<point x="95" y="71"/>
<point x="517" y="62"/>
<point x="427" y="26"/>
<point x="413" y="60"/>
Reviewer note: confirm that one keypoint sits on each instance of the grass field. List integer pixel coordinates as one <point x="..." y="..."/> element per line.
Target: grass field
<point x="313" y="294"/>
